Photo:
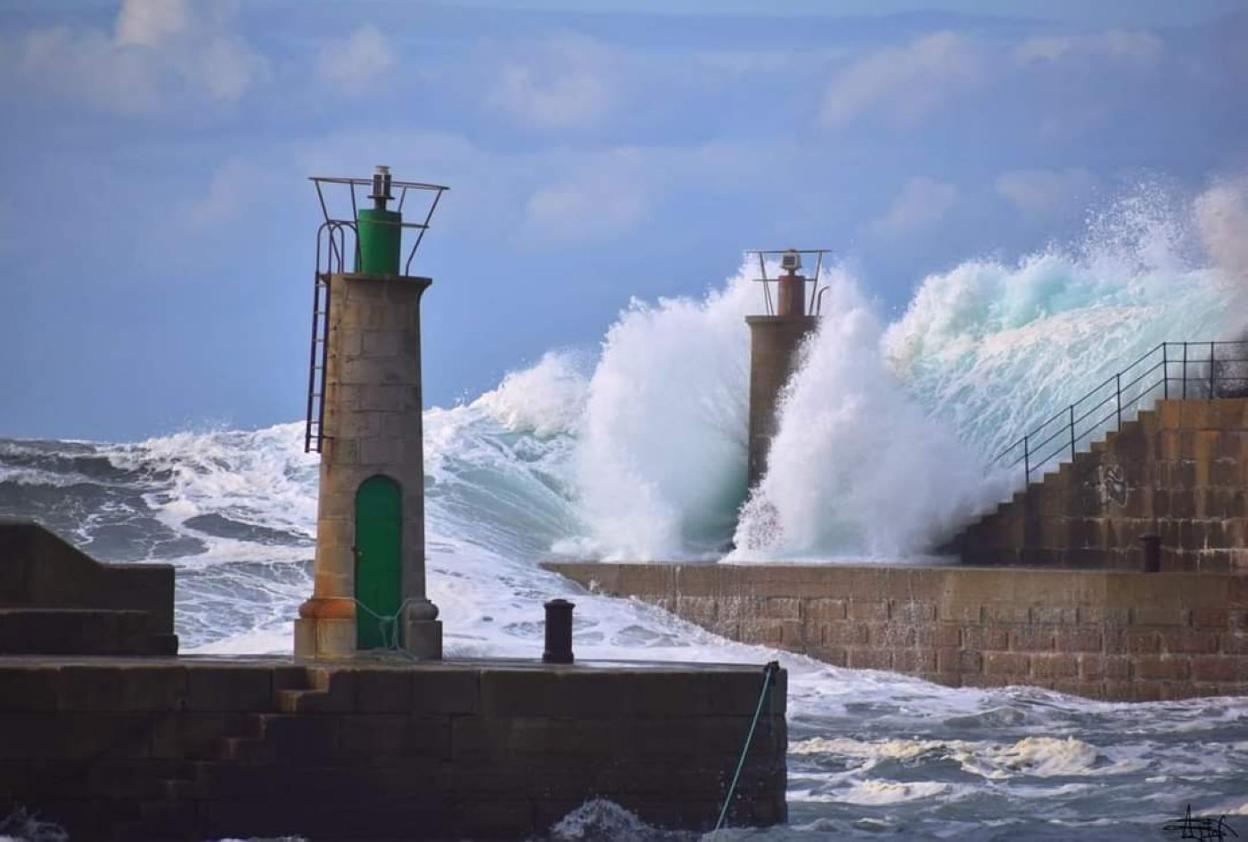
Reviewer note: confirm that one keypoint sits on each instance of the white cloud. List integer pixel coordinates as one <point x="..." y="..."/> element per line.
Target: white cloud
<point x="563" y="85"/>
<point x="88" y="66"/>
<point x="227" y="68"/>
<point x="904" y="83"/>
<point x="353" y="64"/>
<point x="920" y="204"/>
<point x="1039" y="192"/>
<point x="606" y="195"/>
<point x="157" y="50"/>
<point x="548" y="197"/>
<point x="780" y="58"/>
<point x="1115" y="44"/>
<point x="150" y="22"/>
<point x="747" y="62"/>
<point x="233" y="186"/>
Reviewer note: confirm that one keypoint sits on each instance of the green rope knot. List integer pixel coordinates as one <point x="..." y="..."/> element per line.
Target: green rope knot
<point x="388" y="625"/>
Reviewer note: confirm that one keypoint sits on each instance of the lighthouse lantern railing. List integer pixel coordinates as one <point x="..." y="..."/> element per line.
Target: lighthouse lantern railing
<point x="374" y="239"/>
<point x="382" y="188"/>
<point x="791" y="261"/>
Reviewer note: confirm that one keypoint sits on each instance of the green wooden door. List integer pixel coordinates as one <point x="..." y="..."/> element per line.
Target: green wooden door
<point x="378" y="569"/>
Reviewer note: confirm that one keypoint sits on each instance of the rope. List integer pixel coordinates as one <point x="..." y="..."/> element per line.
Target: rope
<point x="388" y="626"/>
<point x="768" y="671"/>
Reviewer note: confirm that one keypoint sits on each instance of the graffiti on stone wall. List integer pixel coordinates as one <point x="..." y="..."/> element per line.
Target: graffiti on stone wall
<point x="1111" y="485"/>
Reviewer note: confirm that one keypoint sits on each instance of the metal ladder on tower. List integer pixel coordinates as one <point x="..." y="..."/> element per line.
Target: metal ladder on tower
<point x="330" y="258"/>
<point x="319" y="356"/>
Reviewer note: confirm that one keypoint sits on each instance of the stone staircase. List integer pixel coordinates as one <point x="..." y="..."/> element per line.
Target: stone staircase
<point x="263" y="742"/>
<point x="229" y="783"/>
<point x="1177" y="471"/>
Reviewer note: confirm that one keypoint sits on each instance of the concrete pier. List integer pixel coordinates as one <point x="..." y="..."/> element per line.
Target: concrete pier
<point x="379" y="748"/>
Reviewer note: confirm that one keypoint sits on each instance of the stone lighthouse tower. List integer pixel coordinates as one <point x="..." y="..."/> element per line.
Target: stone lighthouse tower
<point x="775" y="339"/>
<point x="364" y="418"/>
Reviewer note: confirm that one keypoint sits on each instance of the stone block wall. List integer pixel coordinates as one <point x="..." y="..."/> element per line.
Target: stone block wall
<point x="215" y="748"/>
<point x="55" y="599"/>
<point x="1179" y="471"/>
<point x="1114" y="635"/>
<point x="372" y="426"/>
<point x="775" y="342"/>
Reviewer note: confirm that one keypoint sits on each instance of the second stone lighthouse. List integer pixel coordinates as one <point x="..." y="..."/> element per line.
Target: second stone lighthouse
<point x="364" y="417"/>
<point x="775" y="340"/>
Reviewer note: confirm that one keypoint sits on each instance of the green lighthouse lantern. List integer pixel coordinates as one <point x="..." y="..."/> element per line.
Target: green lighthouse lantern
<point x="379" y="231"/>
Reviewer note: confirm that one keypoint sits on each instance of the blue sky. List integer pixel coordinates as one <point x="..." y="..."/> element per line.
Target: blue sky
<point x="157" y="230"/>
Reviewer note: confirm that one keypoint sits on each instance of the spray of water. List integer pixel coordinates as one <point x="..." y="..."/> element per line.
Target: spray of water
<point x="886" y="430"/>
<point x="660" y="462"/>
<point x="856" y="465"/>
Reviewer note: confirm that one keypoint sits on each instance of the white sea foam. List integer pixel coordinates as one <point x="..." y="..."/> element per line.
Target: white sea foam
<point x="897" y="749"/>
<point x="1233" y="807"/>
<point x="260" y="478"/>
<point x="661" y="460"/>
<point x="1038" y="757"/>
<point x="599" y="818"/>
<point x="272" y="640"/>
<point x="877" y="792"/>
<point x="1041" y="757"/>
<point x="857" y="468"/>
<point x="36" y="476"/>
<point x="546" y="399"/>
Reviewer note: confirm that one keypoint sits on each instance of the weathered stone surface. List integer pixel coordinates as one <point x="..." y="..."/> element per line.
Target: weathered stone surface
<point x="56" y="600"/>
<point x="1049" y="666"/>
<point x="372" y="425"/>
<point x="1011" y="665"/>
<point x="229" y="688"/>
<point x="1179" y="470"/>
<point x="1105" y="633"/>
<point x="774" y="341"/>
<point x="212" y="748"/>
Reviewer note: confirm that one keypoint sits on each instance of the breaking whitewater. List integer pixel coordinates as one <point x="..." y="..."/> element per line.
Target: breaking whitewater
<point x="637" y="452"/>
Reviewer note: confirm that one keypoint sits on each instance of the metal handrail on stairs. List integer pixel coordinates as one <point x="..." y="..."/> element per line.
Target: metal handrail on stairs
<point x="1217" y="374"/>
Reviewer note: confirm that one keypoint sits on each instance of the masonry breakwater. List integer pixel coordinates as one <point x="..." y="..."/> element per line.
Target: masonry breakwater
<point x="205" y="748"/>
<point x="1104" y="634"/>
<point x="106" y="733"/>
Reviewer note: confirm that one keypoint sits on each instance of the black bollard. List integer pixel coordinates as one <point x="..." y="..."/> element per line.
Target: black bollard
<point x="1152" y="553"/>
<point x="558" y="632"/>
